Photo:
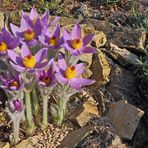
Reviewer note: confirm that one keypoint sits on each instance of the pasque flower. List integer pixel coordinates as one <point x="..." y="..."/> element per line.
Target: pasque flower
<point x="46" y="78"/>
<point x="71" y="74"/>
<point x="15" y="109"/>
<point x="52" y="39"/>
<point x="26" y="61"/>
<point x="28" y="33"/>
<point x="7" y="41"/>
<point x="16" y="105"/>
<point x="75" y="43"/>
<point x="11" y="82"/>
<point x="32" y="17"/>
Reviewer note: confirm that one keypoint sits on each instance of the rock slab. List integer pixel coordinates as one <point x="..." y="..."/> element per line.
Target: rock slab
<point x="125" y="118"/>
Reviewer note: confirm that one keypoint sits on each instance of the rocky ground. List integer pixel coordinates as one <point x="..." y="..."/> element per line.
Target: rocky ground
<point x="113" y="112"/>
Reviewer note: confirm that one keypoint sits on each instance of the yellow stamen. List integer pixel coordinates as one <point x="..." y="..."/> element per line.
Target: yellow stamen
<point x="46" y="80"/>
<point x="3" y="46"/>
<point x="29" y="35"/>
<point x="53" y="41"/>
<point x="76" y="43"/>
<point x="70" y="72"/>
<point x="15" y="83"/>
<point x="29" y="61"/>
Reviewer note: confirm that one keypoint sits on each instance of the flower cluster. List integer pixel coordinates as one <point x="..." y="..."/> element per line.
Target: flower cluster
<point x="37" y="65"/>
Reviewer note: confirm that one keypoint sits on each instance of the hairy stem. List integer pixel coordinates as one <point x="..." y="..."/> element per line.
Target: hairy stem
<point x="16" y="126"/>
<point x="45" y="110"/>
<point x="35" y="104"/>
<point x="29" y="110"/>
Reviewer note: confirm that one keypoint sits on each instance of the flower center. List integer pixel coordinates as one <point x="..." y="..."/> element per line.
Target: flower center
<point x="3" y="46"/>
<point x="29" y="35"/>
<point x="76" y="43"/>
<point x="53" y="41"/>
<point x="70" y="72"/>
<point x="46" y="80"/>
<point x="29" y="61"/>
<point x="14" y="83"/>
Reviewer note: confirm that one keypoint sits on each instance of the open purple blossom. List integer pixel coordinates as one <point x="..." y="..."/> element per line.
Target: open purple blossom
<point x="75" y="43"/>
<point x="11" y="83"/>
<point x="46" y="78"/>
<point x="28" y="34"/>
<point x="25" y="61"/>
<point x="7" y="41"/>
<point x="71" y="74"/>
<point x="32" y="17"/>
<point x="52" y="40"/>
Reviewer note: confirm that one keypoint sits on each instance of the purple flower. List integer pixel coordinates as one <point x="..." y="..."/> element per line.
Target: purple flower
<point x="71" y="74"/>
<point x="32" y="17"/>
<point x="7" y="41"/>
<point x="75" y="43"/>
<point x="52" y="40"/>
<point x="11" y="83"/>
<point x="28" y="34"/>
<point x="46" y="78"/>
<point x="16" y="105"/>
<point x="26" y="61"/>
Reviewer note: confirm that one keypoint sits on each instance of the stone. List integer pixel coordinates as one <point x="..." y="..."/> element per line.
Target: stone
<point x="122" y="55"/>
<point x="99" y="39"/>
<point x="103" y="136"/>
<point x="101" y="69"/>
<point x="122" y="84"/>
<point x="74" y="138"/>
<point x="24" y="144"/>
<point x="127" y="38"/>
<point x="85" y="112"/>
<point x="125" y="118"/>
<point x="2" y="20"/>
<point x="4" y="145"/>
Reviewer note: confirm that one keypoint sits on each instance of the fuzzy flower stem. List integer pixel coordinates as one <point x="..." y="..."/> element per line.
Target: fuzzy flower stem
<point x="45" y="110"/>
<point x="62" y="107"/>
<point x="35" y="103"/>
<point x="16" y="126"/>
<point x="28" y="110"/>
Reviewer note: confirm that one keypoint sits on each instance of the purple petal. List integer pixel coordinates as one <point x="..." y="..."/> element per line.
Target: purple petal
<point x="18" y="67"/>
<point x="14" y="43"/>
<point x="61" y="62"/>
<point x="24" y="25"/>
<point x="38" y="27"/>
<point x="60" y="41"/>
<point x="33" y="14"/>
<point x="14" y="57"/>
<point x="88" y="50"/>
<point x="61" y="79"/>
<point x="66" y="35"/>
<point x="77" y="83"/>
<point x="6" y="35"/>
<point x="41" y="54"/>
<point x="14" y="29"/>
<point x="55" y="20"/>
<point x="41" y="66"/>
<point x="45" y="18"/>
<point x="25" y="51"/>
<point x="56" y="31"/>
<point x="79" y="69"/>
<point x="76" y="32"/>
<point x="87" y="39"/>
